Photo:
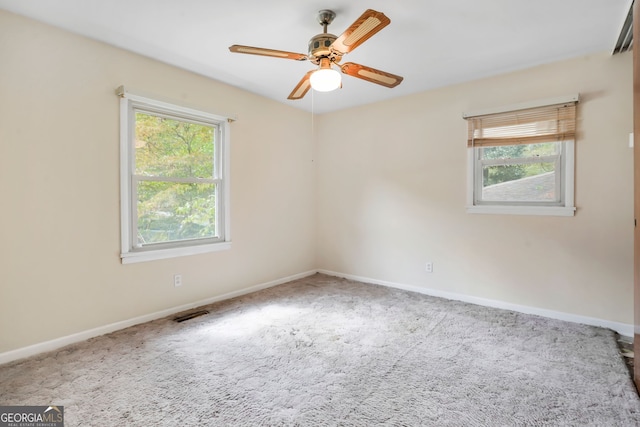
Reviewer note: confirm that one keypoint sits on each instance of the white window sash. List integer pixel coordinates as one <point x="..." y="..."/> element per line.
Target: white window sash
<point x="565" y="178"/>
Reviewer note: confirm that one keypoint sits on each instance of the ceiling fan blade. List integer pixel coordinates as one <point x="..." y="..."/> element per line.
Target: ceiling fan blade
<point x="236" y="48"/>
<point x="371" y="74"/>
<point x="361" y="30"/>
<point x="302" y="87"/>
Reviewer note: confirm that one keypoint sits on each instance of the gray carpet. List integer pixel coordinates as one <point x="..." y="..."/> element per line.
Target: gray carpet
<point x="323" y="351"/>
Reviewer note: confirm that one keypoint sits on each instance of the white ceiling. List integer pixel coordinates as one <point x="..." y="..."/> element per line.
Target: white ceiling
<point x="430" y="43"/>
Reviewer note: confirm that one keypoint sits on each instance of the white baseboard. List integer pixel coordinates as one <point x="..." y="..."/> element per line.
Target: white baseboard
<point x="626" y="330"/>
<point x="57" y="343"/>
<point x="623" y="329"/>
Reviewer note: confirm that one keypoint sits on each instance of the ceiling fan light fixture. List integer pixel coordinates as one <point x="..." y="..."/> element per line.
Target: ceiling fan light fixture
<point x="326" y="78"/>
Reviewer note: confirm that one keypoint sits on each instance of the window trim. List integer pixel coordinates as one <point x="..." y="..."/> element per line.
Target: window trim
<point x="522" y="106"/>
<point x="131" y="254"/>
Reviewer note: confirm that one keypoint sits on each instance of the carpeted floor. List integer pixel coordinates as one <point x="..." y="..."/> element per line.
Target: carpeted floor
<point x="323" y="351"/>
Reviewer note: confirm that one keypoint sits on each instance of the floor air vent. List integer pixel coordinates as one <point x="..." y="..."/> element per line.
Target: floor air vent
<point x="191" y="315"/>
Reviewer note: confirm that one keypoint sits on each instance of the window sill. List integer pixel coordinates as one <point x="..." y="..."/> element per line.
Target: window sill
<point x="156" y="254"/>
<point x="523" y="210"/>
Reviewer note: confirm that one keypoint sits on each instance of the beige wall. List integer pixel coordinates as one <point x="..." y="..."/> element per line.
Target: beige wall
<point x="60" y="271"/>
<point x="377" y="201"/>
<point x="392" y="196"/>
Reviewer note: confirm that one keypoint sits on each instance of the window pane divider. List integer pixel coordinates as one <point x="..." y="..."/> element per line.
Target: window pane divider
<point x="176" y="180"/>
<point x="520" y="161"/>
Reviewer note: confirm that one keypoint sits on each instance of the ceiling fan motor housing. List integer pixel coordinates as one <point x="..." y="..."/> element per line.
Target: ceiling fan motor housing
<point x="319" y="47"/>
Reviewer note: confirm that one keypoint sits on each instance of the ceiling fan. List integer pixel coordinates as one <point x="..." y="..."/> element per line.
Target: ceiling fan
<point x="326" y="50"/>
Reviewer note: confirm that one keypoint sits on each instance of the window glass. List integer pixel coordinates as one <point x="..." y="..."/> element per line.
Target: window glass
<point x="173" y="148"/>
<point x="174" y="180"/>
<point x="171" y="211"/>
<point x="520" y="173"/>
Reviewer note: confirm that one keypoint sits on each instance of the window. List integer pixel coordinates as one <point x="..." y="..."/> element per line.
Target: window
<point x="521" y="159"/>
<point x="174" y="180"/>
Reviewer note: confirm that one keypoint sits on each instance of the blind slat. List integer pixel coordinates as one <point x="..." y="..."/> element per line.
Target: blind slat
<point x="542" y="124"/>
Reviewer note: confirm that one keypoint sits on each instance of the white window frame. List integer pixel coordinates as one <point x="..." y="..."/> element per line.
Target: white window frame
<point x="130" y="252"/>
<point x="565" y="174"/>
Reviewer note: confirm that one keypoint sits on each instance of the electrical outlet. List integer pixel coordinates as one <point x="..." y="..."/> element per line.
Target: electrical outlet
<point x="177" y="280"/>
<point x="429" y="267"/>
